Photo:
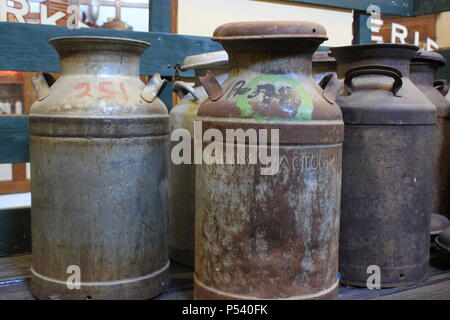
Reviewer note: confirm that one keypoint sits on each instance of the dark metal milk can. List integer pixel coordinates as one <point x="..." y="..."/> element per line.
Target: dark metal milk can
<point x="423" y="68"/>
<point x="98" y="146"/>
<point x="268" y="234"/>
<point x="387" y="170"/>
<point x="182" y="175"/>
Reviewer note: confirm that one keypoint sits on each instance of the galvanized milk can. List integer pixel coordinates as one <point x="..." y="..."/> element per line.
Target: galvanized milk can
<point x="323" y="66"/>
<point x="387" y="170"/>
<point x="268" y="234"/>
<point x="98" y="146"/>
<point x="423" y="68"/>
<point x="182" y="175"/>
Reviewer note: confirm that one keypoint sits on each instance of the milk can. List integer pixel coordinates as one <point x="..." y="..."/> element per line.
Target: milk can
<point x="99" y="153"/>
<point x="268" y="234"/>
<point x="423" y="68"/>
<point x="387" y="171"/>
<point x="442" y="86"/>
<point x="324" y="66"/>
<point x="182" y="175"/>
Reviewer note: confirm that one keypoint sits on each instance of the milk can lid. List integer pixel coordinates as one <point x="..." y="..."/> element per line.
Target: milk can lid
<point x="269" y="30"/>
<point x="429" y="56"/>
<point x="206" y="60"/>
<point x="444" y="239"/>
<point x="323" y="56"/>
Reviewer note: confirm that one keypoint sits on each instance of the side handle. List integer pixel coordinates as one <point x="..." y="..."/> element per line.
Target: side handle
<point x="181" y="88"/>
<point x="331" y="86"/>
<point x="212" y="86"/>
<point x="375" y="70"/>
<point x="442" y="86"/>
<point x="151" y="90"/>
<point x="42" y="84"/>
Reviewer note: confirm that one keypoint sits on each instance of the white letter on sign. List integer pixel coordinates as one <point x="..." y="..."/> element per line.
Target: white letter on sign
<point x="399" y="35"/>
<point x="52" y="19"/>
<point x="19" y="13"/>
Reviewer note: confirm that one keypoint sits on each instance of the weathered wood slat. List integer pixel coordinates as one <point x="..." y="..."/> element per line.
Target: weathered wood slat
<point x="159" y="15"/>
<point x="14" y="139"/>
<point x="15" y="231"/>
<point x="399" y="7"/>
<point x="25" y="47"/>
<point x="430" y="6"/>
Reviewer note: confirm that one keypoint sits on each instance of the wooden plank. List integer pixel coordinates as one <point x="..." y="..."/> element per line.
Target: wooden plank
<point x="399" y="7"/>
<point x="14" y="139"/>
<point x="8" y="187"/>
<point x="15" y="268"/>
<point x="425" y="25"/>
<point x="430" y="6"/>
<point x="361" y="33"/>
<point x="15" y="231"/>
<point x="436" y="291"/>
<point x="25" y="47"/>
<point x="19" y="171"/>
<point x="160" y="19"/>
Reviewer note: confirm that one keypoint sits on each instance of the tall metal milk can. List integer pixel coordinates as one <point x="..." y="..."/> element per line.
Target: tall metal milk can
<point x="99" y="161"/>
<point x="387" y="170"/>
<point x="269" y="234"/>
<point x="182" y="175"/>
<point x="423" y="68"/>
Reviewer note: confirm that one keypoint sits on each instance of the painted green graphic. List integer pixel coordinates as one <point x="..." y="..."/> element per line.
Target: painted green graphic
<point x="273" y="97"/>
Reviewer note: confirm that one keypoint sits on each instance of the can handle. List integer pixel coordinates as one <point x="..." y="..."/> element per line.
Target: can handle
<point x="442" y="86"/>
<point x="151" y="90"/>
<point x="377" y="70"/>
<point x="42" y="84"/>
<point x="212" y="86"/>
<point x="180" y="87"/>
<point x="331" y="86"/>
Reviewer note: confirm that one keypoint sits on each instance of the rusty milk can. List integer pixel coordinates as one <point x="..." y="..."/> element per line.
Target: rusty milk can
<point x="182" y="175"/>
<point x="98" y="146"/>
<point x="269" y="236"/>
<point x="423" y="68"/>
<point x="387" y="170"/>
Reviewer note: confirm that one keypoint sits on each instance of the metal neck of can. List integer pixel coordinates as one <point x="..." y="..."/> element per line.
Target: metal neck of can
<point x="392" y="55"/>
<point x="263" y="58"/>
<point x="423" y="73"/>
<point x="99" y="56"/>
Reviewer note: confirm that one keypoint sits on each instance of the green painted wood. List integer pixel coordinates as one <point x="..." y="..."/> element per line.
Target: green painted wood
<point x="398" y="7"/>
<point x="430" y="6"/>
<point x="444" y="72"/>
<point x="15" y="231"/>
<point x="159" y="15"/>
<point x="24" y="47"/>
<point x="14" y="139"/>
<point x="361" y="33"/>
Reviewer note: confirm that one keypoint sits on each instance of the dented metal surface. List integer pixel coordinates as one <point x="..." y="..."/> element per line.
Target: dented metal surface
<point x="270" y="236"/>
<point x="423" y="68"/>
<point x="182" y="176"/>
<point x="387" y="172"/>
<point x="99" y="167"/>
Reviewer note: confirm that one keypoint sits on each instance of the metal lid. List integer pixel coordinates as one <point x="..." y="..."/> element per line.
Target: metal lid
<point x="206" y="60"/>
<point x="439" y="223"/>
<point x="429" y="56"/>
<point x="444" y="239"/>
<point x="323" y="56"/>
<point x="269" y="30"/>
<point x="98" y="40"/>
